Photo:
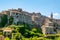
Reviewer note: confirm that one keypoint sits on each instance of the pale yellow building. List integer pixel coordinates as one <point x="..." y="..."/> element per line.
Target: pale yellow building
<point x="48" y="27"/>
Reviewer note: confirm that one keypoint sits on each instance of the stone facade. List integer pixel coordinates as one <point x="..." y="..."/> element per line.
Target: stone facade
<point x="48" y="27"/>
<point x="22" y="16"/>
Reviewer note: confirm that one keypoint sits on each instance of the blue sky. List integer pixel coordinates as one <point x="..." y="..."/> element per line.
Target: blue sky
<point x="45" y="7"/>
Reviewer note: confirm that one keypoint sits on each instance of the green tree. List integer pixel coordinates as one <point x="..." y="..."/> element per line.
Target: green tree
<point x="4" y="20"/>
<point x="10" y="20"/>
<point x="34" y="32"/>
<point x="25" y="30"/>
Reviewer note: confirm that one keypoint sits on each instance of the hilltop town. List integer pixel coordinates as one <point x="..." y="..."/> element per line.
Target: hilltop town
<point x="34" y="20"/>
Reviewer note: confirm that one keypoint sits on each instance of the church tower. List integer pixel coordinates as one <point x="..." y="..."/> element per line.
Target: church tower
<point x="51" y="15"/>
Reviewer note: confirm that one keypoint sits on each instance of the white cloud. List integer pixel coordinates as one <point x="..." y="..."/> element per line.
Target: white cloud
<point x="49" y="16"/>
<point x="55" y="14"/>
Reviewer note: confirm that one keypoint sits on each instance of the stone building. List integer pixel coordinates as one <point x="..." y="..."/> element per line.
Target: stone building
<point x="7" y="32"/>
<point x="22" y="16"/>
<point x="48" y="27"/>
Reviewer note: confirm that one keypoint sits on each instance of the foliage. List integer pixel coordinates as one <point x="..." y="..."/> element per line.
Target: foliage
<point x="57" y="38"/>
<point x="10" y="20"/>
<point x="4" y="20"/>
<point x="6" y="38"/>
<point x="17" y="36"/>
<point x="25" y="30"/>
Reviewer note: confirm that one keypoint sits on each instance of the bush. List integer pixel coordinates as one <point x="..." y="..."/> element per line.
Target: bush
<point x="6" y="38"/>
<point x="10" y="20"/>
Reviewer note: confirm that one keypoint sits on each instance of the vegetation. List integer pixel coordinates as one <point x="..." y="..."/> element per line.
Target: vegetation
<point x="24" y="33"/>
<point x="10" y="20"/>
<point x="4" y="20"/>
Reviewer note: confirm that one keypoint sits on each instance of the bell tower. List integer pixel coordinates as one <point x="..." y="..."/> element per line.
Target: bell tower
<point x="51" y="15"/>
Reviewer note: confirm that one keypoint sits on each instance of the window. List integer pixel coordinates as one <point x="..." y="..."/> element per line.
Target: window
<point x="17" y="17"/>
<point x="16" y="13"/>
<point x="50" y="24"/>
<point x="12" y="13"/>
<point x="8" y="13"/>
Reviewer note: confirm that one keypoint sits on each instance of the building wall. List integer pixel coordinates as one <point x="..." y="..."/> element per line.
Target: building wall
<point x="48" y="27"/>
